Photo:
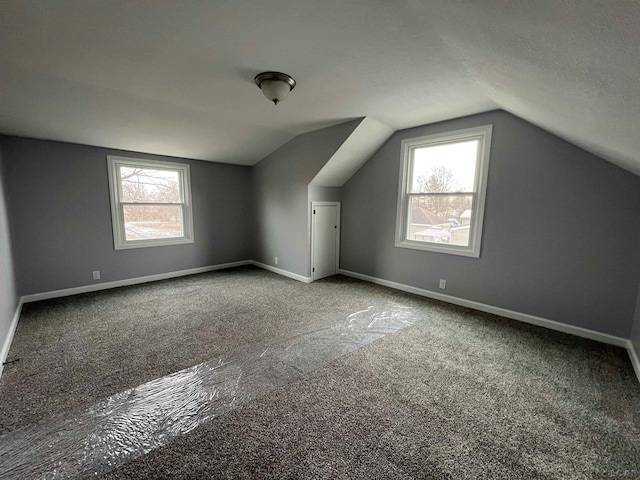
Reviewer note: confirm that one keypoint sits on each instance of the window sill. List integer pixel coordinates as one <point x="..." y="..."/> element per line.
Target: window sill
<point x="152" y="243"/>
<point x="439" y="248"/>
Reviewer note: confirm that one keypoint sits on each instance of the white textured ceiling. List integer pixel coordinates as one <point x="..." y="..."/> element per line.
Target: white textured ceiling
<point x="176" y="77"/>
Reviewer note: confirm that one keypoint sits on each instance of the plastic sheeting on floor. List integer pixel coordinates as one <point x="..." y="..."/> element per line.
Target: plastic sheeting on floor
<point x="129" y="424"/>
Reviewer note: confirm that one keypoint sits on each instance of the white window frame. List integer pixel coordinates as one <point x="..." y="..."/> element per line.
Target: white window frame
<point x="408" y="146"/>
<point x="117" y="205"/>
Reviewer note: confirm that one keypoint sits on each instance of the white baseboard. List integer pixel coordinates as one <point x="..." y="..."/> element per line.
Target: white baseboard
<point x="153" y="278"/>
<point x="523" y="317"/>
<point x="129" y="281"/>
<point x="9" y="338"/>
<point x="635" y="360"/>
<point x="279" y="271"/>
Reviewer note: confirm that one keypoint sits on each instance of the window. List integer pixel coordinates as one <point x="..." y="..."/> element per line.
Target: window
<point x="443" y="181"/>
<point x="150" y="203"/>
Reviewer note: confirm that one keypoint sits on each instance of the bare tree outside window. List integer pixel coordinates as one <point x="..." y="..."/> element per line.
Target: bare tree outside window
<point x="442" y="180"/>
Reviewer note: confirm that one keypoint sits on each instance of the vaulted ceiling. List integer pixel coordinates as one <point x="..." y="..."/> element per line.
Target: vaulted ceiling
<point x="176" y="77"/>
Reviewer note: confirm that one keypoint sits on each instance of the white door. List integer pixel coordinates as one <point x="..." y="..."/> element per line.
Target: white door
<point x="325" y="239"/>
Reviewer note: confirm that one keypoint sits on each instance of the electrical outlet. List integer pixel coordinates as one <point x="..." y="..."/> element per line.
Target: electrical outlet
<point x="276" y="260"/>
<point x="443" y="284"/>
<point x="96" y="274"/>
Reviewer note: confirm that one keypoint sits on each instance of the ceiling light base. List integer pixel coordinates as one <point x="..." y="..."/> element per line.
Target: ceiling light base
<point x="275" y="85"/>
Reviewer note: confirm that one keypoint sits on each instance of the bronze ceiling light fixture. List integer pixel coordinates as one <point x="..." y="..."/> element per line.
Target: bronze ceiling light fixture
<point x="275" y="85"/>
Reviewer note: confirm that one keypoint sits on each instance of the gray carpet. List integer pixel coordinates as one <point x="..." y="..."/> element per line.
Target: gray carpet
<point x="462" y="395"/>
<point x="77" y="350"/>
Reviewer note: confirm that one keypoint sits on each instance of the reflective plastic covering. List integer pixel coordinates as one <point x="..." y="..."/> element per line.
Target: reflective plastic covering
<point x="129" y="424"/>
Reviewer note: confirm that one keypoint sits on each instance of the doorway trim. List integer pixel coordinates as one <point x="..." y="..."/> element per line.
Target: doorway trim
<point x="313" y="206"/>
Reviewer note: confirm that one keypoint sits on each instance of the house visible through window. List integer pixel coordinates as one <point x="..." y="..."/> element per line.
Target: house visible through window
<point x="150" y="203"/>
<point x="442" y="191"/>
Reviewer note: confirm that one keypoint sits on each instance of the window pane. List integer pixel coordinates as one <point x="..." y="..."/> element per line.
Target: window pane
<point x="150" y="185"/>
<point x="444" y="168"/>
<point x="440" y="219"/>
<point x="145" y="222"/>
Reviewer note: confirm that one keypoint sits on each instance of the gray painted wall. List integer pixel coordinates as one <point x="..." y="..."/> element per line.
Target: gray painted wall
<point x="8" y="295"/>
<point x="325" y="194"/>
<point x="281" y="182"/>
<point x="560" y="232"/>
<point x="61" y="220"/>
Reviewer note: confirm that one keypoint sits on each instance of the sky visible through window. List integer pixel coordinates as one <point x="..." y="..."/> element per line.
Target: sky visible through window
<point x="459" y="158"/>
